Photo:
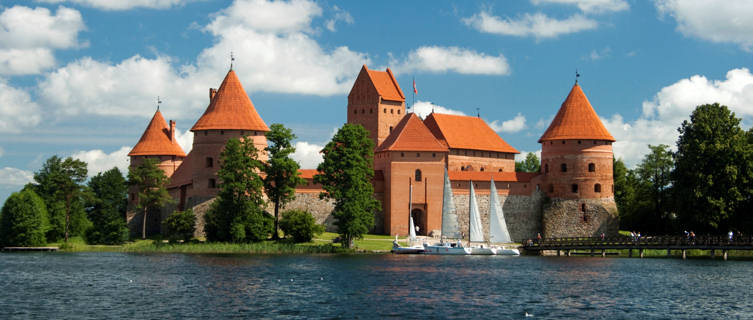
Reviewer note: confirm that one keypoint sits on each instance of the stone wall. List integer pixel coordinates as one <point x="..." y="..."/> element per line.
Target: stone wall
<point x="522" y="214"/>
<point x="565" y="218"/>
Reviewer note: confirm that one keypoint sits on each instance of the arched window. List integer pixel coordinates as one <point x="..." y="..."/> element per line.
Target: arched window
<point x="597" y="188"/>
<point x="575" y="188"/>
<point x="591" y="167"/>
<point x="563" y="167"/>
<point x="418" y="174"/>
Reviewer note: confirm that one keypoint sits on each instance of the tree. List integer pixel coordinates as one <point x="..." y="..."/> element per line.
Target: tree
<point x="60" y="184"/>
<point x="181" y="225"/>
<point x="530" y="164"/>
<point x="623" y="192"/>
<point x="712" y="169"/>
<point x="300" y="226"/>
<point x="107" y="208"/>
<point x="150" y="182"/>
<point x="237" y="213"/>
<point x="345" y="175"/>
<point x="281" y="171"/>
<point x="23" y="220"/>
<point x="654" y="173"/>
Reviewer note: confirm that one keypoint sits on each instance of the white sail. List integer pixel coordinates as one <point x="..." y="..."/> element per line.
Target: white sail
<point x="497" y="227"/>
<point x="476" y="229"/>
<point x="450" y="227"/>
<point x="411" y="226"/>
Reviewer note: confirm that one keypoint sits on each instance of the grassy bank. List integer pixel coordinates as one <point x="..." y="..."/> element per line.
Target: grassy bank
<point x="322" y="244"/>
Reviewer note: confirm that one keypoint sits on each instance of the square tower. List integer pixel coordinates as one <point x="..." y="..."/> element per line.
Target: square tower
<point x="376" y="102"/>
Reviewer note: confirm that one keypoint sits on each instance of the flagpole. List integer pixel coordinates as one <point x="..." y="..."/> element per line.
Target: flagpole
<point x="414" y="95"/>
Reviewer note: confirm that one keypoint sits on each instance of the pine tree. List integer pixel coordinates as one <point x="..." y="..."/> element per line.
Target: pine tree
<point x="107" y="208"/>
<point x="281" y="171"/>
<point x="345" y="175"/>
<point x="151" y="183"/>
<point x="60" y="184"/>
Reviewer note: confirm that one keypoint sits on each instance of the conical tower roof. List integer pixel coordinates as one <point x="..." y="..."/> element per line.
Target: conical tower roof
<point x="230" y="109"/>
<point x="156" y="140"/>
<point x="411" y="134"/>
<point x="576" y="120"/>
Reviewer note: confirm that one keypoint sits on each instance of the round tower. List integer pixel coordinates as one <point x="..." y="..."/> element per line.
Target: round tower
<point x="576" y="152"/>
<point x="158" y="142"/>
<point x="230" y="114"/>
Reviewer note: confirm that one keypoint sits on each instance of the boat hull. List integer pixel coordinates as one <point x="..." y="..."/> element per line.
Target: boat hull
<point x="447" y="250"/>
<point x="408" y="250"/>
<point x="483" y="251"/>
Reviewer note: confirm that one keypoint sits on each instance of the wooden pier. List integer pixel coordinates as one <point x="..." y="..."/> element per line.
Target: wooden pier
<point x="29" y="249"/>
<point x="598" y="246"/>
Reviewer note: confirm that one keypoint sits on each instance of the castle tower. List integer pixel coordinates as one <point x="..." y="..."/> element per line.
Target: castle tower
<point x="576" y="166"/>
<point x="230" y="114"/>
<point x="157" y="142"/>
<point x="376" y="102"/>
<point x="411" y="155"/>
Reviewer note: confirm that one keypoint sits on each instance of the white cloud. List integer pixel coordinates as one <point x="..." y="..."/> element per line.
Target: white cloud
<point x="99" y="161"/>
<point x="715" y="21"/>
<point x="513" y="125"/>
<point x="15" y="177"/>
<point x="266" y="16"/>
<point x="598" y="54"/>
<point x="674" y="103"/>
<point x="536" y="25"/>
<point x="27" y="37"/>
<point x="424" y="108"/>
<point x="185" y="140"/>
<point x="124" y="4"/>
<point x="340" y="15"/>
<point x="17" y="110"/>
<point x="452" y="59"/>
<point x="307" y="154"/>
<point x="590" y="6"/>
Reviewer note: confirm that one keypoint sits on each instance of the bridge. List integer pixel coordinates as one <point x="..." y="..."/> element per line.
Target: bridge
<point x="600" y="246"/>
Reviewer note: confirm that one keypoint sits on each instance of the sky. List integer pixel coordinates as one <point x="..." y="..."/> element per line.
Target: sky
<point x="81" y="78"/>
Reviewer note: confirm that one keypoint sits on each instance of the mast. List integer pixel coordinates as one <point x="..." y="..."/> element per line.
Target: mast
<point x="498" y="232"/>
<point x="411" y="226"/>
<point x="450" y="227"/>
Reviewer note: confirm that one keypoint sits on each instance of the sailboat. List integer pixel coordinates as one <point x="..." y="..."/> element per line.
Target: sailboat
<point x="498" y="232"/>
<point x="475" y="227"/>
<point x="450" y="228"/>
<point x="412" y="248"/>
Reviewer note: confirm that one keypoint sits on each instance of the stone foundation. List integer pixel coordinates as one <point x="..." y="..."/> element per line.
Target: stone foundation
<point x="566" y="218"/>
<point x="522" y="214"/>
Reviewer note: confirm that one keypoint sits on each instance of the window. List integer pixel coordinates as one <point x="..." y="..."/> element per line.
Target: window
<point x="418" y="175"/>
<point x="563" y="141"/>
<point x="433" y="155"/>
<point x="546" y="168"/>
<point x="210" y="162"/>
<point x="574" y="187"/>
<point x="385" y="110"/>
<point x="563" y="167"/>
<point x="390" y="129"/>
<point x="222" y="132"/>
<point x="392" y="110"/>
<point x="500" y="170"/>
<point x="597" y="188"/>
<point x="371" y="111"/>
<point x="583" y="209"/>
<point x="398" y="111"/>
<point x="578" y="141"/>
<point x="212" y="184"/>
<point x="591" y="167"/>
<point x="551" y="188"/>
<point x="206" y="133"/>
<point x="418" y="155"/>
<point x="482" y="169"/>
<point x="355" y="111"/>
<point x="402" y="154"/>
<point x="363" y="111"/>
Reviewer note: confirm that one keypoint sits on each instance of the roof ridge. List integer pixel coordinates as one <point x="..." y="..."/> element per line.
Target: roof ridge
<point x="157" y="139"/>
<point x="399" y="139"/>
<point x="230" y="109"/>
<point x="394" y="82"/>
<point x="576" y="119"/>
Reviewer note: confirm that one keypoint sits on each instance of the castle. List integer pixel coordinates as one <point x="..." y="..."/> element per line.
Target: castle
<point x="572" y="195"/>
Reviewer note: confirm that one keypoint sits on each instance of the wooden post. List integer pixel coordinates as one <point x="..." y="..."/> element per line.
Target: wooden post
<point x="593" y="252"/>
<point x="603" y="252"/>
<point x="684" y="256"/>
<point x="630" y="253"/>
<point x="558" y="252"/>
<point x="724" y="254"/>
<point x="712" y="253"/>
<point x="669" y="252"/>
<point x="567" y="252"/>
<point x="640" y="251"/>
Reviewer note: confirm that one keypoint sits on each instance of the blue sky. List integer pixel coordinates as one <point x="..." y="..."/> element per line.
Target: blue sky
<point x="81" y="77"/>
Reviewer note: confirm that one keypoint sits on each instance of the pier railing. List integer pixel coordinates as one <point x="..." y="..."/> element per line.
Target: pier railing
<point x="704" y="242"/>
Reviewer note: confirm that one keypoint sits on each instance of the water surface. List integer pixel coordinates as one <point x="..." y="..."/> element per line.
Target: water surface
<point x="178" y="286"/>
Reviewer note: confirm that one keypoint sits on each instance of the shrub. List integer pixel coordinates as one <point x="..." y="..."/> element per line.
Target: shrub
<point x="300" y="225"/>
<point x="180" y="225"/>
<point x="23" y="220"/>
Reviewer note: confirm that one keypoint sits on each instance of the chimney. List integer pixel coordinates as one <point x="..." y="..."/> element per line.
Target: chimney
<point x="172" y="131"/>
<point x="212" y="92"/>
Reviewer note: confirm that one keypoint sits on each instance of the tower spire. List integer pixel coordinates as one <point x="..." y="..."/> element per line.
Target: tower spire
<point x="232" y="58"/>
<point x="159" y="101"/>
<point x="577" y="75"/>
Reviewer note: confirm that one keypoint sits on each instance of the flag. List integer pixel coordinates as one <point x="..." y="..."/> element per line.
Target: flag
<point x="414" y="86"/>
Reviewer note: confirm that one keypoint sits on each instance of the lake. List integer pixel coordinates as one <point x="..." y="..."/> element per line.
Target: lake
<point x="179" y="286"/>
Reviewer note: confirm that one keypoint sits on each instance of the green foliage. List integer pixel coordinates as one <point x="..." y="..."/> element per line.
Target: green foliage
<point x="346" y="174"/>
<point x="151" y="185"/>
<point x="300" y="225"/>
<point x="712" y="177"/>
<point x="281" y="171"/>
<point x="107" y="208"/>
<point x="23" y="220"/>
<point x="181" y="225"/>
<point x="530" y="164"/>
<point x="644" y="193"/>
<point x="236" y="215"/>
<point x="623" y="191"/>
<point x="60" y="184"/>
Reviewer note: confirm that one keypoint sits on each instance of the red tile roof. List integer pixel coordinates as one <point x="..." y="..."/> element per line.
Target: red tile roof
<point x="487" y="176"/>
<point x="310" y="173"/>
<point x="385" y="84"/>
<point x="576" y="119"/>
<point x="230" y="109"/>
<point x="464" y="132"/>
<point x="184" y="174"/>
<point x="156" y="140"/>
<point x="411" y="134"/>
